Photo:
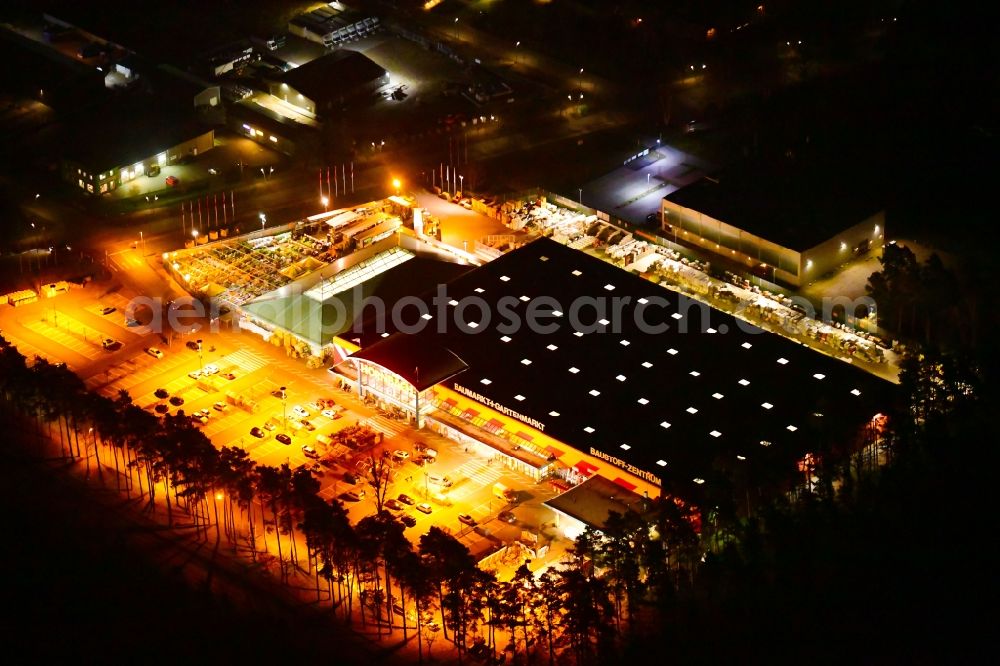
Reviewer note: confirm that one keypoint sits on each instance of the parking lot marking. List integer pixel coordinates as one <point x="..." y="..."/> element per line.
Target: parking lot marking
<point x="69" y="338"/>
<point x="245" y="359"/>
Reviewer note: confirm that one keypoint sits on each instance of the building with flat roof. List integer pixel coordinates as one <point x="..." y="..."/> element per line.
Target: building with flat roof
<point x="125" y="138"/>
<point x="333" y="24"/>
<point x="618" y="376"/>
<point x="784" y="221"/>
<point x="327" y="83"/>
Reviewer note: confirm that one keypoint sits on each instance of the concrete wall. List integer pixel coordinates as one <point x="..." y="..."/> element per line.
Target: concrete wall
<point x="285" y="92"/>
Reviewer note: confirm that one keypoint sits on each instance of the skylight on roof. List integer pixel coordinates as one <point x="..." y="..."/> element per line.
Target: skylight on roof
<point x="744" y="382"/>
<point x="765" y="443"/>
<point x="819" y="375"/>
<point x="642" y="301"/>
<point x="698" y="480"/>
<point x="486" y="381"/>
<point x="691" y="410"/>
<point x="717" y="396"/>
<point x="603" y="322"/>
<point x="426" y="316"/>
<point x="525" y="361"/>
<point x="506" y="338"/>
<point x="609" y="287"/>
<point x="479" y="290"/>
<point x="715" y="433"/>
<point x="574" y="370"/>
<point x="552" y="347"/>
<point x="553" y="413"/>
<point x="385" y="335"/>
<point x="588" y="429"/>
<point x="620" y="378"/>
<point x="577" y="273"/>
<point x="710" y="330"/>
<point x="624" y="343"/>
<point x="792" y="428"/>
<point x="519" y="397"/>
<point x="661" y="463"/>
<point x="557" y="313"/>
<point x="672" y="351"/>
<point x="766" y="405"/>
<point x="543" y="258"/>
<point x="453" y="302"/>
<point x="595" y="392"/>
<point x="504" y="278"/>
<point x="647" y="364"/>
<point x="642" y="401"/>
<point x="746" y="345"/>
<point x="472" y="324"/>
<point x="741" y="457"/>
<point x="855" y="392"/>
<point x="578" y="334"/>
<point x="783" y="361"/>
<point x="695" y="373"/>
<point x="664" y="425"/>
<point x="625" y="447"/>
<point x="525" y="299"/>
<point x="677" y="315"/>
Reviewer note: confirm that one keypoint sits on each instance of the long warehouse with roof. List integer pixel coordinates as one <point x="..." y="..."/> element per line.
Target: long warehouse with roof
<point x="615" y="376"/>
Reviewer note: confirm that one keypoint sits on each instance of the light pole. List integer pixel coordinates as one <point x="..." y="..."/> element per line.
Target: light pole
<point x="263" y="220"/>
<point x="580" y="195"/>
<point x="456" y="28"/>
<point x="580" y="81"/>
<point x="194" y="234"/>
<point x="284" y="402"/>
<point x="142" y="243"/>
<point x="517" y="52"/>
<point x="461" y="183"/>
<point x="396" y="184"/>
<point x="201" y="357"/>
<point x="326" y="203"/>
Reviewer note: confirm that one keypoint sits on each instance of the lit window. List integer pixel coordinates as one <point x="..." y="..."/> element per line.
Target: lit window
<point x="485" y="381"/>
<point x="715" y="433"/>
<point x="642" y="401"/>
<point x="543" y="258"/>
<point x="765" y="443"/>
<point x="578" y="334"/>
<point x="710" y="330"/>
<point x="272" y="138"/>
<point x="691" y="410"/>
<point x="385" y="335"/>
<point x="595" y="392"/>
<point x="453" y="302"/>
<point x="557" y="313"/>
<point x="478" y="290"/>
<point x="472" y="324"/>
<point x="741" y="457"/>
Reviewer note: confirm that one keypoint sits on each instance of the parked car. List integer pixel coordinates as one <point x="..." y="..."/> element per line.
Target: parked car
<point x="257" y="432"/>
<point x="276" y="393"/>
<point x="154" y="352"/>
<point x="353" y="495"/>
<point x="406" y="499"/>
<point x="161" y="393"/>
<point x="317" y="469"/>
<point x="177" y="401"/>
<point x="313" y="406"/>
<point x="228" y="375"/>
<point x="466" y="519"/>
<point x="110" y="344"/>
<point x="108" y="310"/>
<point x="307" y="425"/>
<point x="301" y="413"/>
<point x="172" y="181"/>
<point x="408" y="520"/>
<point x="394" y="505"/>
<point x="309" y="452"/>
<point x="283" y="438"/>
<point x="210" y="369"/>
<point x="192" y="345"/>
<point x="424" y="507"/>
<point x="507" y="517"/>
<point x="195" y="374"/>
<point x="400" y="455"/>
<point x="220" y="406"/>
<point x="200" y="419"/>
<point x="204" y="412"/>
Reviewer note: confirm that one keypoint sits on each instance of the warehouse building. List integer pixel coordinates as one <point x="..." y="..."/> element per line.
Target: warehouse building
<point x="326" y="84"/>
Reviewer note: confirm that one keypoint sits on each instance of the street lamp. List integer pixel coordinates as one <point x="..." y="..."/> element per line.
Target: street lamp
<point x="517" y="52"/>
<point x="284" y="402"/>
<point x="194" y="234"/>
<point x="142" y="242"/>
<point x="461" y="183"/>
<point x="580" y="195"/>
<point x="326" y="202"/>
<point x="396" y="184"/>
<point x="263" y="220"/>
<point x="201" y="357"/>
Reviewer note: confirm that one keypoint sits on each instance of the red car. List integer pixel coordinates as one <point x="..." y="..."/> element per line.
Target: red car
<point x="172" y="181"/>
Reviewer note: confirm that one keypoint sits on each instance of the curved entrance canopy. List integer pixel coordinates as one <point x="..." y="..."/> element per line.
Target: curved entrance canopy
<point x="420" y="364"/>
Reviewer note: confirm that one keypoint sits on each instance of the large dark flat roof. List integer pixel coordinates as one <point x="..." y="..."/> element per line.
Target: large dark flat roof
<point x="592" y="501"/>
<point x="334" y="75"/>
<point x="795" y="203"/>
<point x="677" y="403"/>
<point x="127" y="129"/>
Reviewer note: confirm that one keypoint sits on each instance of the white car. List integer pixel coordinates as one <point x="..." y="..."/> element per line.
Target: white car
<point x="154" y="352"/>
<point x="194" y="374"/>
<point x="210" y="369"/>
<point x="301" y="413"/>
<point x="220" y="406"/>
<point x="399" y="454"/>
<point x="329" y="413"/>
